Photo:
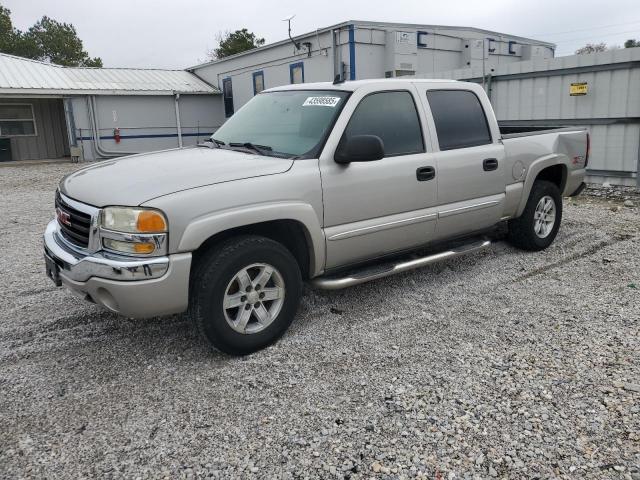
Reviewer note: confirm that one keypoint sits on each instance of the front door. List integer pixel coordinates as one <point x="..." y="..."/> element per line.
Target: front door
<point x="383" y="206"/>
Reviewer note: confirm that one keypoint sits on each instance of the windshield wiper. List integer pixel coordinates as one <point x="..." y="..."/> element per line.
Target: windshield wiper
<point x="261" y="149"/>
<point x="212" y="143"/>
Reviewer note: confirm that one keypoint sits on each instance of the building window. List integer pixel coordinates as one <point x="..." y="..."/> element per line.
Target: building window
<point x="296" y="72"/>
<point x="16" y="120"/>
<point x="258" y="82"/>
<point x="227" y="96"/>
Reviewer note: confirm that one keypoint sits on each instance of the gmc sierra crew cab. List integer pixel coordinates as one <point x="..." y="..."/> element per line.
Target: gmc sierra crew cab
<point x="331" y="183"/>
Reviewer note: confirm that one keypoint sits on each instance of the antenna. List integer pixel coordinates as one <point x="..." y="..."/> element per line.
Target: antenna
<point x="288" y="20"/>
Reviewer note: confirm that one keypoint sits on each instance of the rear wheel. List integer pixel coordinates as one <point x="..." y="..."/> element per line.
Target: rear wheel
<point x="538" y="225"/>
<point x="244" y="294"/>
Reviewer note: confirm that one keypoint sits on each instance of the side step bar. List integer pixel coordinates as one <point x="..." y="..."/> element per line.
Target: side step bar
<point x="373" y="273"/>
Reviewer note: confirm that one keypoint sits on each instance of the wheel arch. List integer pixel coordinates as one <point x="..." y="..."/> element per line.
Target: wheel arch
<point x="298" y="220"/>
<point x="290" y="233"/>
<point x="551" y="168"/>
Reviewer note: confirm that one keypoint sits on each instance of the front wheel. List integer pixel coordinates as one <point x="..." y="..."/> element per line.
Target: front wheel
<point x="538" y="225"/>
<point x="244" y="294"/>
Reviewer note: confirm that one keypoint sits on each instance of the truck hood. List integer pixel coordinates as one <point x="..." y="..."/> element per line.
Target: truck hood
<point x="136" y="179"/>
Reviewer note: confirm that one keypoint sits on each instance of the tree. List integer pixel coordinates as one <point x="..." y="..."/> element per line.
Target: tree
<point x="48" y="40"/>
<point x="236" y="42"/>
<point x="59" y="43"/>
<point x="592" y="48"/>
<point x="7" y="32"/>
<point x="631" y="43"/>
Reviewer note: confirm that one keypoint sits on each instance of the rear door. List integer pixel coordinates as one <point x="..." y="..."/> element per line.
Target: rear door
<point x="470" y="161"/>
<point x="378" y="207"/>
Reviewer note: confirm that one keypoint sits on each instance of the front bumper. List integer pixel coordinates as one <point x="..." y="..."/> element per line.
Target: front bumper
<point x="133" y="287"/>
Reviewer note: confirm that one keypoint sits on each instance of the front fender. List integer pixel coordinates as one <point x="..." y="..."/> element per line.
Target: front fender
<point x="202" y="228"/>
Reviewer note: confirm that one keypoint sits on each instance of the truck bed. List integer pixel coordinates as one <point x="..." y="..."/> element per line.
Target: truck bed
<point x="526" y="131"/>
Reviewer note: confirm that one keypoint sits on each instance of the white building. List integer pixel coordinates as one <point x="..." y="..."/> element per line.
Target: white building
<point x="49" y="112"/>
<point x="360" y="50"/>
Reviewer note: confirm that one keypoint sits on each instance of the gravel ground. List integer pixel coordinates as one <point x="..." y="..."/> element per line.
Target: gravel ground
<point x="502" y="364"/>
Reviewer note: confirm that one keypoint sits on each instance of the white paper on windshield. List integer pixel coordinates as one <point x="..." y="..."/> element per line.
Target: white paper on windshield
<point x="321" y="102"/>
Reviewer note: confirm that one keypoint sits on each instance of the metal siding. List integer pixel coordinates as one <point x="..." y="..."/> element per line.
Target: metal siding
<point x="147" y="123"/>
<point x="539" y="92"/>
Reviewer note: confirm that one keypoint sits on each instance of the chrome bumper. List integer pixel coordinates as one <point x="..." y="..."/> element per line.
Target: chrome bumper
<point x="134" y="287"/>
<point x="80" y="267"/>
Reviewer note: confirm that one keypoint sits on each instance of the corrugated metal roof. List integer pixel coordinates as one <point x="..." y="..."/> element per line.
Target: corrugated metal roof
<point x="21" y="75"/>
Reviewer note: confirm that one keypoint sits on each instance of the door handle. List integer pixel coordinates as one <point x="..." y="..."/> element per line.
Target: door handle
<point x="425" y="173"/>
<point x="489" y="164"/>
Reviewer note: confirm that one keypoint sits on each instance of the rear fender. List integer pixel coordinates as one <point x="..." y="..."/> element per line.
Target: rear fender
<point x="534" y="170"/>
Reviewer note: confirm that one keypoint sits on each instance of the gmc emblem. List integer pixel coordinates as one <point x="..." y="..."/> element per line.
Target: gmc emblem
<point x="63" y="217"/>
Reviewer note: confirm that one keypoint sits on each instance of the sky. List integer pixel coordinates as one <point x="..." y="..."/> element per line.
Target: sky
<point x="177" y="34"/>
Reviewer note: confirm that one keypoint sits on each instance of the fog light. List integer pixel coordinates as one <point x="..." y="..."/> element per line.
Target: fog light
<point x="128" y="247"/>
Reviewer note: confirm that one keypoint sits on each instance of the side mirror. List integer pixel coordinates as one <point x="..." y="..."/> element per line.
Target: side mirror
<point x="359" y="148"/>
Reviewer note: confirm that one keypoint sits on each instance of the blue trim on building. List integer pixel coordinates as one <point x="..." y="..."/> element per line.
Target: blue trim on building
<point x="158" y="135"/>
<point x="294" y="65"/>
<point x="352" y="53"/>
<point x="254" y="75"/>
<point x="511" y="50"/>
<point x="491" y="50"/>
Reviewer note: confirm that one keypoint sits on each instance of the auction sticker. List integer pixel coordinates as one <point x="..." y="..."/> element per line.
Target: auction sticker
<point x="321" y="102"/>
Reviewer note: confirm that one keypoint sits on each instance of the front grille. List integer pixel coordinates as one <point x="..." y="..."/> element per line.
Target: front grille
<point x="75" y="225"/>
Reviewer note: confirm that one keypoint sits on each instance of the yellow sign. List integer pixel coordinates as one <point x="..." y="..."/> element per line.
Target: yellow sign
<point x="577" y="89"/>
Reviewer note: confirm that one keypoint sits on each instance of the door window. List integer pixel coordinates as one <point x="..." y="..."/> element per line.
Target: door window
<point x="459" y="118"/>
<point x="393" y="117"/>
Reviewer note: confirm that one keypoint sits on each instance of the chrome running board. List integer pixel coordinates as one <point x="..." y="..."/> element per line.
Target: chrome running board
<point x="380" y="271"/>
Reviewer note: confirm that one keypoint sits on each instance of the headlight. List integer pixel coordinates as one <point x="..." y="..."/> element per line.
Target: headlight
<point x="134" y="220"/>
<point x="133" y="231"/>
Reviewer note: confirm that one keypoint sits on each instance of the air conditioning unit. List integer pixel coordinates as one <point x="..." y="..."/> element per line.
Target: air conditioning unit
<point x="535" y="52"/>
<point x="401" y="54"/>
<point x="473" y="50"/>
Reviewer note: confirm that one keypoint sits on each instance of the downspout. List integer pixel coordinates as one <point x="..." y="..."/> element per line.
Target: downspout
<point x="352" y="53"/>
<point x="95" y="127"/>
<point x="333" y="53"/>
<point x="178" y="126"/>
<point x="489" y="87"/>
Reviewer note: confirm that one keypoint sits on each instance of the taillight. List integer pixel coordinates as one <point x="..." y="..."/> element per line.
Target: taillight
<point x="586" y="156"/>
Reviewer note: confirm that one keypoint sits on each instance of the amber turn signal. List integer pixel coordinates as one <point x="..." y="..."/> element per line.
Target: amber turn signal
<point x="150" y="222"/>
<point x="144" y="247"/>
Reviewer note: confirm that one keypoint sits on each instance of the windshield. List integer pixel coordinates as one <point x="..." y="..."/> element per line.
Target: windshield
<point x="290" y="123"/>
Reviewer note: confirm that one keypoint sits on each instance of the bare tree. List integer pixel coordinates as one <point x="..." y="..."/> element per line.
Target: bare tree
<point x="596" y="47"/>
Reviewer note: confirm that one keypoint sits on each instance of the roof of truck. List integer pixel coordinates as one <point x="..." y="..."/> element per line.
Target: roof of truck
<point x="356" y="84"/>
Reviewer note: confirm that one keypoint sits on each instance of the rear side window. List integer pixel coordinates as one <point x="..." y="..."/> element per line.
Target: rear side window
<point x="392" y="116"/>
<point x="459" y="118"/>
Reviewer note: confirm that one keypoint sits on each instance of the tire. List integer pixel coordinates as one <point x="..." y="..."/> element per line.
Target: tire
<point x="218" y="285"/>
<point x="529" y="233"/>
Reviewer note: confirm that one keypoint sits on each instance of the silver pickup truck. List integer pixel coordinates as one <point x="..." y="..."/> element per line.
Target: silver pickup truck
<point x="335" y="184"/>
